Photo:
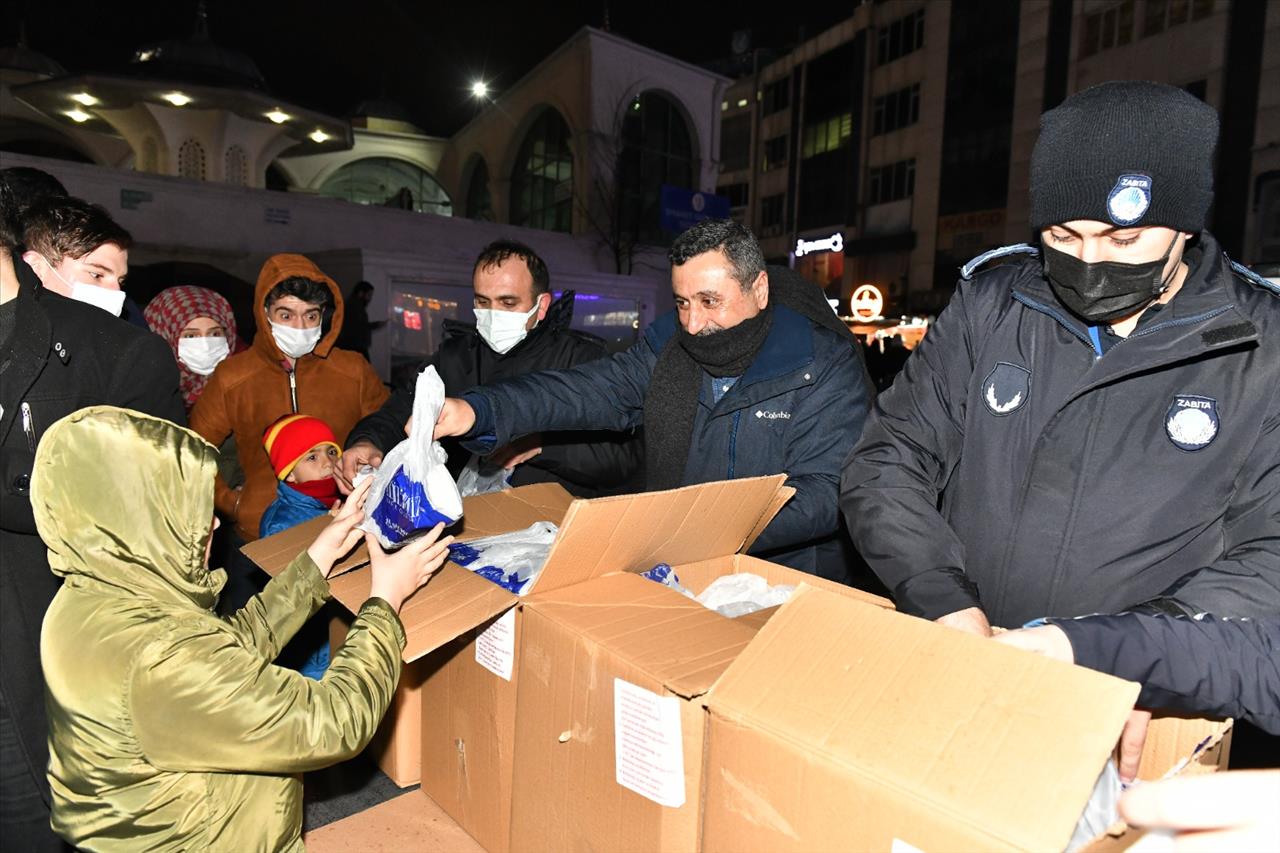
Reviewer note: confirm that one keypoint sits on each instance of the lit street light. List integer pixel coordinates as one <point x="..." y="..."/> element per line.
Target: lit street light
<point x="480" y="90"/>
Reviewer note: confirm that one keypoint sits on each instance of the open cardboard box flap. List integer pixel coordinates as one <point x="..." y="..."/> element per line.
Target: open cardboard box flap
<point x="975" y="730"/>
<point x="624" y="533"/>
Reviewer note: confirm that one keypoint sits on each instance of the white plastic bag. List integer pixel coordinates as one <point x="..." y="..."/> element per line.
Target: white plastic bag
<point x="511" y="560"/>
<point x="476" y="479"/>
<point x="740" y="594"/>
<point x="412" y="490"/>
<point x="1102" y="810"/>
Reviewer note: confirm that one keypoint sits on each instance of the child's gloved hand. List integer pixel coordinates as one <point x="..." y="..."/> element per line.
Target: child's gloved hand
<point x="341" y="535"/>
<point x="398" y="575"/>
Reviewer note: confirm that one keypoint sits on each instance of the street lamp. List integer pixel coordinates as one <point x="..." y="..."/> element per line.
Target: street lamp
<point x="480" y="90"/>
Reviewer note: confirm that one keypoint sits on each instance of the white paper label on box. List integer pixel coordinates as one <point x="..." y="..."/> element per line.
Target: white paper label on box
<point x="900" y="846"/>
<point x="496" y="645"/>
<point x="648" y="746"/>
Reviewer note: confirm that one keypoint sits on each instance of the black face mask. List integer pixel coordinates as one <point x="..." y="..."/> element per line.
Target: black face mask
<point x="1105" y="291"/>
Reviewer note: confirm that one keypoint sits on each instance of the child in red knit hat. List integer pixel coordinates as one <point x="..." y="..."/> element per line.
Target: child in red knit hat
<point x="304" y="453"/>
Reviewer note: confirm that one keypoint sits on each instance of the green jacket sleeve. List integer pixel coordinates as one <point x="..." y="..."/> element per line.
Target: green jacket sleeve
<point x="202" y="701"/>
<point x="270" y="619"/>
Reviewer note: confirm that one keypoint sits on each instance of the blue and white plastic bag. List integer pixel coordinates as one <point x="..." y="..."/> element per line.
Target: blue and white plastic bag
<point x="412" y="491"/>
<point x="511" y="560"/>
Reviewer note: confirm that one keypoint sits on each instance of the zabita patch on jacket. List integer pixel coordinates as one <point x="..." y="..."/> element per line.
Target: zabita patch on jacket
<point x="1192" y="421"/>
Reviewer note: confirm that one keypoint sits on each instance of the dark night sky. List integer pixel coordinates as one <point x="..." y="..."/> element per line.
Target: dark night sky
<point x="331" y="56"/>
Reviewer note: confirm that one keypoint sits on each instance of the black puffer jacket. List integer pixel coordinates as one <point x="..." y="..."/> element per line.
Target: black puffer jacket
<point x="586" y="463"/>
<point x="63" y="355"/>
<point x="1012" y="468"/>
<point x="1217" y="667"/>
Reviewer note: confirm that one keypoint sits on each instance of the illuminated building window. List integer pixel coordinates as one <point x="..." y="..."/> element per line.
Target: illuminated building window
<point x="236" y="167"/>
<point x="542" y="181"/>
<point x="388" y="182"/>
<point x="191" y="161"/>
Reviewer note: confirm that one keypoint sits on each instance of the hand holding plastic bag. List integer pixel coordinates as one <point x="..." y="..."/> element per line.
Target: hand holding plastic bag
<point x="412" y="490"/>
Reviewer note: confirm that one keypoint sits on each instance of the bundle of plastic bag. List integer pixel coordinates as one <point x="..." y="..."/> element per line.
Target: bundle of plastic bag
<point x="413" y="490"/>
<point x="511" y="560"/>
<point x="740" y="594"/>
<point x="665" y="575"/>
<point x="477" y="478"/>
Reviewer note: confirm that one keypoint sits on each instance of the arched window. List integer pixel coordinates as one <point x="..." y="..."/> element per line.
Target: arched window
<point x="656" y="150"/>
<point x="390" y="183"/>
<point x="236" y="167"/>
<point x="191" y="160"/>
<point x="542" y="180"/>
<point x="479" y="202"/>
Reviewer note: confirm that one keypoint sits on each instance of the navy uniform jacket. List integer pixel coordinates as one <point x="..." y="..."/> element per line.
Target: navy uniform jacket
<point x="1212" y="667"/>
<point x="798" y="409"/>
<point x="1012" y="468"/>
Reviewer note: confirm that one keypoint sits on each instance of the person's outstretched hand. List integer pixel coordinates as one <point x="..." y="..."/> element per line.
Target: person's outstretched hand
<point x="1213" y="812"/>
<point x="398" y="575"/>
<point x="341" y="534"/>
<point x="361" y="453"/>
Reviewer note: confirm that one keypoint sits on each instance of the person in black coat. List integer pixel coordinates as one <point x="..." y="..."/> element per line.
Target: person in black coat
<point x="56" y="356"/>
<point x="1092" y="430"/>
<point x="1207" y="666"/>
<point x="357" y="329"/>
<point x="519" y="330"/>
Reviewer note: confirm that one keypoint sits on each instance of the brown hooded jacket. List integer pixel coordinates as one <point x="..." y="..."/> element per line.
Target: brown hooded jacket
<point x="250" y="390"/>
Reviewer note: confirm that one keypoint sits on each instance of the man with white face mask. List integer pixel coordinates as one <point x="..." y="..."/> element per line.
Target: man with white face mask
<point x="519" y="329"/>
<point x="292" y="366"/>
<point x="56" y="356"/>
<point x="77" y="250"/>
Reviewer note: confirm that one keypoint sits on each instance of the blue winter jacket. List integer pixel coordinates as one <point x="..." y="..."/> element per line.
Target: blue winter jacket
<point x="797" y="410"/>
<point x="308" y="651"/>
<point x="290" y="508"/>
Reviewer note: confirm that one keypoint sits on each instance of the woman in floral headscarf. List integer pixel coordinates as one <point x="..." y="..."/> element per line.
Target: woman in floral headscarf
<point x="200" y="329"/>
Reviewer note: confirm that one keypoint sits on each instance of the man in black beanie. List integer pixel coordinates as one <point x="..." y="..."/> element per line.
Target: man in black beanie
<point x="1094" y="427"/>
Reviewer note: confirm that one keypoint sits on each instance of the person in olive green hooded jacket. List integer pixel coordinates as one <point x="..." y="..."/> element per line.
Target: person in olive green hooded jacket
<point x="170" y="728"/>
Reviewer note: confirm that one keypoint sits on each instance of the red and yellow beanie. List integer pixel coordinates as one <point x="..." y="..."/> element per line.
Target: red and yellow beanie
<point x="288" y="440"/>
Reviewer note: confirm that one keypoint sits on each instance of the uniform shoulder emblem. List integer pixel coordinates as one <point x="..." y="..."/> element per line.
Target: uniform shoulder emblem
<point x="967" y="271"/>
<point x="1253" y="278"/>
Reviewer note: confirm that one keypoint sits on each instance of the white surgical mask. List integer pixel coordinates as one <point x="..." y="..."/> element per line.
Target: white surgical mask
<point x="202" y="355"/>
<point x="502" y="330"/>
<point x="111" y="301"/>
<point x="295" y="343"/>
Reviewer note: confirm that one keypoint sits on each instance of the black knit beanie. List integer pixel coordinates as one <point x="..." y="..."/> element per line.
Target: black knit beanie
<point x="1127" y="153"/>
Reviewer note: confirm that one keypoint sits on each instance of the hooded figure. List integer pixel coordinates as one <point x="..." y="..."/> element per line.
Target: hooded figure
<point x="170" y="729"/>
<point x="253" y="389"/>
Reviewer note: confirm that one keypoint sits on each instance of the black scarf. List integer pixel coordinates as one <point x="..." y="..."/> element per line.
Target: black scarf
<point x="671" y="401"/>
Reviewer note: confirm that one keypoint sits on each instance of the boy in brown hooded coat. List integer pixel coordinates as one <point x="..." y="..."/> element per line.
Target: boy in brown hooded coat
<point x="293" y="366"/>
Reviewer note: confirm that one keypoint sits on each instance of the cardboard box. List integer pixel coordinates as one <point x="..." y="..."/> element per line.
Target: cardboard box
<point x="844" y="726"/>
<point x="470" y="700"/>
<point x="454" y="601"/>
<point x="609" y="746"/>
<point x="407" y="822"/>
<point x="596" y="537"/>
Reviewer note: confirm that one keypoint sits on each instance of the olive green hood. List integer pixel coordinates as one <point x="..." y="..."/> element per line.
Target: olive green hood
<point x="126" y="500"/>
